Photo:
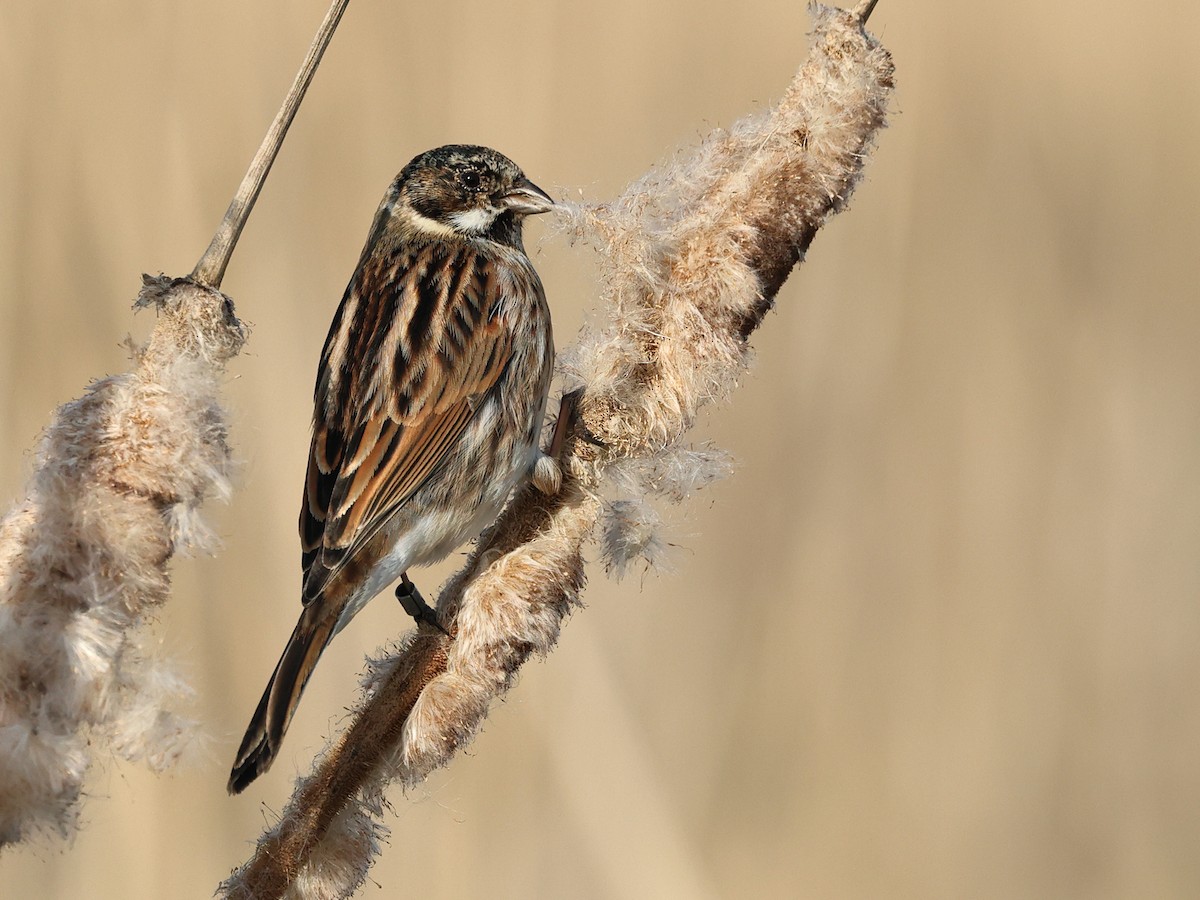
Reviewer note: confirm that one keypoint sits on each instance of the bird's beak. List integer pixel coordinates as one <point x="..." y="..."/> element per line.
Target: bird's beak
<point x="527" y="199"/>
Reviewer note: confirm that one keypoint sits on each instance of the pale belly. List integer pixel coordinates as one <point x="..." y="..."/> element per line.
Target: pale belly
<point x="447" y="515"/>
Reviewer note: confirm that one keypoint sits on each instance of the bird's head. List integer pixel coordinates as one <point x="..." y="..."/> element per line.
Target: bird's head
<point x="467" y="191"/>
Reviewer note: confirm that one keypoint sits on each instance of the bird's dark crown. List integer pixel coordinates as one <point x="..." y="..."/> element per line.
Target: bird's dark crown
<point x="472" y="191"/>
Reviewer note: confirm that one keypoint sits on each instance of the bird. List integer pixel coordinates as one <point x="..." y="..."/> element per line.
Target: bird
<point x="428" y="405"/>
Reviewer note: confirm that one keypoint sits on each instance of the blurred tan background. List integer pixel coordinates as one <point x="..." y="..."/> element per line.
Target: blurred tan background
<point x="939" y="637"/>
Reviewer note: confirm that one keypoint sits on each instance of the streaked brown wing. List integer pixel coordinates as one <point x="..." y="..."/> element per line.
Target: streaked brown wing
<point x="413" y="347"/>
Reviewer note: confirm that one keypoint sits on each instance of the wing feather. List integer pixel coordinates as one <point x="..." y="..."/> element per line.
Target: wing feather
<point x="419" y="319"/>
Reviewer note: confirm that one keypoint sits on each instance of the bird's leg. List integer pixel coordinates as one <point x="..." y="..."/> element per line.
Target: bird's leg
<point x="547" y="474"/>
<point x="568" y="415"/>
<point x="568" y="406"/>
<point x="414" y="604"/>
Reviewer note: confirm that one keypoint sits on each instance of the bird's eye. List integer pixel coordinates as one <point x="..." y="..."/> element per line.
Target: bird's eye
<point x="471" y="179"/>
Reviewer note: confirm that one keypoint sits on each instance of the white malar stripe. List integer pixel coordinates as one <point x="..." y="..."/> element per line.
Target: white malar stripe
<point x="428" y="225"/>
<point x="475" y="221"/>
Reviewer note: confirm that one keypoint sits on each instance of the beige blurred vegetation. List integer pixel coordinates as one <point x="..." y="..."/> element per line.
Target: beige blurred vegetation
<point x="938" y="637"/>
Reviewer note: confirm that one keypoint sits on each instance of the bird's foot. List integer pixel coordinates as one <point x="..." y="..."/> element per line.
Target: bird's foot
<point x="547" y="474"/>
<point x="414" y="604"/>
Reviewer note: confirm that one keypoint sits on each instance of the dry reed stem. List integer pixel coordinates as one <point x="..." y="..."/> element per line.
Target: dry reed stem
<point x="692" y="258"/>
<point x="210" y="270"/>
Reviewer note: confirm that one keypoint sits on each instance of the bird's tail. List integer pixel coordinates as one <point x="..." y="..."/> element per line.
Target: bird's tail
<point x="279" y="700"/>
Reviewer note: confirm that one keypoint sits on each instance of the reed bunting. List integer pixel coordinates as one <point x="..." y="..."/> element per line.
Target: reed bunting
<point x="429" y="400"/>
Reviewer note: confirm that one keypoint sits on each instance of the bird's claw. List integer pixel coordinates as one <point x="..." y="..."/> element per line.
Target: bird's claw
<point x="414" y="604"/>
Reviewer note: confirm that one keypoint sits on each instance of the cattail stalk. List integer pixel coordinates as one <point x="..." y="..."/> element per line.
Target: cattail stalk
<point x="119" y="478"/>
<point x="692" y="257"/>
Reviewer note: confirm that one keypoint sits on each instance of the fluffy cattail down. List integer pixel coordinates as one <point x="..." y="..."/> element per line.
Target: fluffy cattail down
<point x="692" y="256"/>
<point x="119" y="477"/>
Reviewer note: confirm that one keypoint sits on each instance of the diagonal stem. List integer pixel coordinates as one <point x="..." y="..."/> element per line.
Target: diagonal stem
<point x="862" y="12"/>
<point x="210" y="270"/>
